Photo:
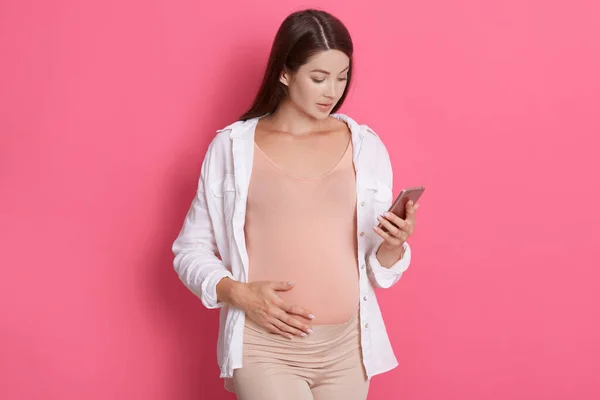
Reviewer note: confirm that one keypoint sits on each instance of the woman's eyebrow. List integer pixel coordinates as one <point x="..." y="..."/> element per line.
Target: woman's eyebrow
<point x="327" y="72"/>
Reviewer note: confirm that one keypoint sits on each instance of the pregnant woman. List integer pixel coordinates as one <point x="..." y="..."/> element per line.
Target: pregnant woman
<point x="282" y="236"/>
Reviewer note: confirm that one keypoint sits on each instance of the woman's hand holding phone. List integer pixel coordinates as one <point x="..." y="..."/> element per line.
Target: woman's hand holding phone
<point x="397" y="231"/>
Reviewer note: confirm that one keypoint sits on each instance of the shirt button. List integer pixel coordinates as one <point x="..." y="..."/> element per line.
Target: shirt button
<point x="362" y="203"/>
<point x="362" y="234"/>
<point x="365" y="298"/>
<point x="362" y="266"/>
<point x="366" y="325"/>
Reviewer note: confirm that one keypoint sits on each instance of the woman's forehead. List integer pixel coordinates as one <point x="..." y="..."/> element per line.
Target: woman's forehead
<point x="330" y="61"/>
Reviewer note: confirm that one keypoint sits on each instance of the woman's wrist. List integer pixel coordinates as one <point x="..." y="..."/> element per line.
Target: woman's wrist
<point x="388" y="257"/>
<point x="228" y="290"/>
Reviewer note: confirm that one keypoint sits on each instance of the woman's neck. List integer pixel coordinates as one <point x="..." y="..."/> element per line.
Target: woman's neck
<point x="291" y="120"/>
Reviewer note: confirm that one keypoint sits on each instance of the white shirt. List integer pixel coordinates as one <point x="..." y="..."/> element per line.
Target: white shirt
<point x="211" y="244"/>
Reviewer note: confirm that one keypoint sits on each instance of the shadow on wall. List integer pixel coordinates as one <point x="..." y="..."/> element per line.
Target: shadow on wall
<point x="193" y="330"/>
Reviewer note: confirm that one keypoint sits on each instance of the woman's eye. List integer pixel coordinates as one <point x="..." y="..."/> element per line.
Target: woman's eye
<point x="342" y="79"/>
<point x="318" y="80"/>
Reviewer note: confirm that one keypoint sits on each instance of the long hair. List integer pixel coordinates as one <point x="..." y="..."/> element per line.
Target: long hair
<point x="300" y="36"/>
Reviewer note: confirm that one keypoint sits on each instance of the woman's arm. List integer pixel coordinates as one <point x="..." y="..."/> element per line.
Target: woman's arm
<point x="196" y="261"/>
<point x="392" y="255"/>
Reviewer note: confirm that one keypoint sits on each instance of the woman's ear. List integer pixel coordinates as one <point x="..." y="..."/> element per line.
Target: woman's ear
<point x="285" y="77"/>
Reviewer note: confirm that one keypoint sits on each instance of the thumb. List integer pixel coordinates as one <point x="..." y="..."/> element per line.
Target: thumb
<point x="410" y="209"/>
<point x="283" y="285"/>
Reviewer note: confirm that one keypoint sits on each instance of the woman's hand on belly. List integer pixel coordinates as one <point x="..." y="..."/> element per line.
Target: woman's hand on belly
<point x="262" y="304"/>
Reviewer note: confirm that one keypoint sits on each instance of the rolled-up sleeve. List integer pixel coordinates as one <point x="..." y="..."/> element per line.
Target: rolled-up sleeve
<point x="383" y="277"/>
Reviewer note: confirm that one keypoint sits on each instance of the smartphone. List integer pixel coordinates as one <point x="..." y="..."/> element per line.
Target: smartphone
<point x="399" y="205"/>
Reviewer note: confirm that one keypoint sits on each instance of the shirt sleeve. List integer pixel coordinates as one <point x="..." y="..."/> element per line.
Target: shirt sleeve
<point x="380" y="276"/>
<point x="196" y="256"/>
<point x="383" y="277"/>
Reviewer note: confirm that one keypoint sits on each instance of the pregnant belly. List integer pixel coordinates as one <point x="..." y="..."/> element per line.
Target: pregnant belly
<point x="334" y="303"/>
<point x="330" y="290"/>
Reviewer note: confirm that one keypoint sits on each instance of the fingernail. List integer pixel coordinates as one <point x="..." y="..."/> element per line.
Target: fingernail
<point x="311" y="316"/>
<point x="379" y="218"/>
<point x="303" y="334"/>
<point x="310" y="330"/>
<point x="387" y="214"/>
<point x="291" y="283"/>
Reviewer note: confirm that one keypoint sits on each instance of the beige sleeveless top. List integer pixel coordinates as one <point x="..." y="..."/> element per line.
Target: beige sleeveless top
<point x="304" y="230"/>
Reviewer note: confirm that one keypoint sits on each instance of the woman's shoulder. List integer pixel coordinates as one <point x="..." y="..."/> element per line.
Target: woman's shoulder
<point x="358" y="126"/>
<point x="224" y="135"/>
<point x="375" y="142"/>
<point x="235" y="127"/>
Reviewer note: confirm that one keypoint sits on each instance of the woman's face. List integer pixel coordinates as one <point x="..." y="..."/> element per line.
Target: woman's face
<point x="319" y="84"/>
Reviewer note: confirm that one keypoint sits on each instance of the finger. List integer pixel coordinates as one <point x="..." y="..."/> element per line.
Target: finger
<point x="275" y="330"/>
<point x="283" y="323"/>
<point x="297" y="327"/>
<point x="297" y="323"/>
<point x="396" y="220"/>
<point x="410" y="211"/>
<point x="391" y="228"/>
<point x="297" y="310"/>
<point x="281" y="286"/>
<point x="392" y="241"/>
<point x="402" y="237"/>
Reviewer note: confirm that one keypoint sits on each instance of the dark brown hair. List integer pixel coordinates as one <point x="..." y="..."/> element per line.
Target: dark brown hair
<point x="300" y="36"/>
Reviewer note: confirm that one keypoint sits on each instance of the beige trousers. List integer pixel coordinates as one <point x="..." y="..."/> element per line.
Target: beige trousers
<point x="326" y="365"/>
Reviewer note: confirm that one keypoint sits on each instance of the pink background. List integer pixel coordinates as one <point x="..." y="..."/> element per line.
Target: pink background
<point x="106" y="110"/>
